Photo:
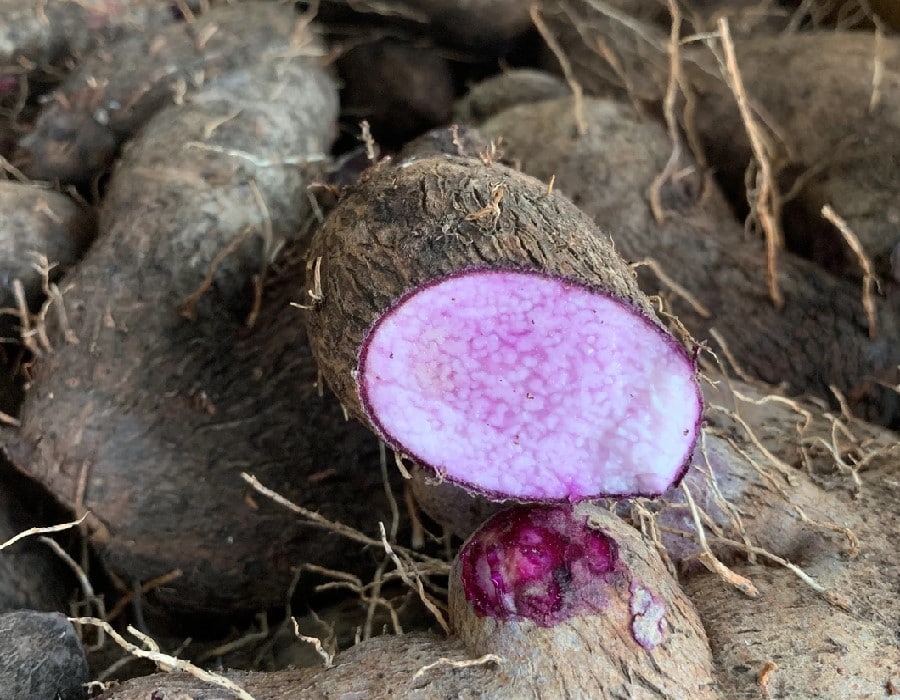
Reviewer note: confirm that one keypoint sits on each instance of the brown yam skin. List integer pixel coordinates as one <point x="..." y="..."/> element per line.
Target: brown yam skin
<point x="513" y="87"/>
<point x="150" y="419"/>
<point x="820" y="337"/>
<point x="817" y="651"/>
<point x="821" y="650"/>
<point x="117" y="90"/>
<point x="455" y="140"/>
<point x="400" y="88"/>
<point x="37" y="220"/>
<point x="815" y="89"/>
<point x="400" y="227"/>
<point x="588" y="656"/>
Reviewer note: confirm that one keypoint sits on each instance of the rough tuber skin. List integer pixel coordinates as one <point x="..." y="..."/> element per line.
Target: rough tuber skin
<point x="40" y="657"/>
<point x="510" y="88"/>
<point x="116" y="91"/>
<point x="483" y="327"/>
<point x="623" y="629"/>
<point x="163" y="403"/>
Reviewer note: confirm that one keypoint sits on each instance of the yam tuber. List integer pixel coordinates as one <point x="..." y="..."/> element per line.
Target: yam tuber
<point x="820" y="338"/>
<point x="37" y="225"/>
<point x="589" y="611"/>
<point x="115" y="91"/>
<point x="483" y="327"/>
<point x="148" y="422"/>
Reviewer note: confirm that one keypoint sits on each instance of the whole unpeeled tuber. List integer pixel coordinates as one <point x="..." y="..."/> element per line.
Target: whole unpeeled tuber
<point x="485" y="328"/>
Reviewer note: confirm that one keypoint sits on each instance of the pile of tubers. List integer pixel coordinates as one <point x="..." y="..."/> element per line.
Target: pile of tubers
<point x="581" y="376"/>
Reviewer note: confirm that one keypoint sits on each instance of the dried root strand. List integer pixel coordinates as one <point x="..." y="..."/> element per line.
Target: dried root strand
<point x="709" y="560"/>
<point x="565" y="64"/>
<point x="41" y="531"/>
<point x="767" y="205"/>
<point x="164" y="661"/>
<point x="452" y="663"/>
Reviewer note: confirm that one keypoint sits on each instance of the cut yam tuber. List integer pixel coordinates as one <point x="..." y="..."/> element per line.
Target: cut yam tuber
<point x="484" y="328"/>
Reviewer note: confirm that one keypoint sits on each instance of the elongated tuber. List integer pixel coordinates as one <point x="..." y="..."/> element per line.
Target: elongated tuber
<point x="116" y="91"/>
<point x="149" y="421"/>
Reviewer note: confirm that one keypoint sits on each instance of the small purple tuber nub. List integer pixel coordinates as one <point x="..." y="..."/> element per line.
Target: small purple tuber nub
<point x="539" y="563"/>
<point x="518" y="384"/>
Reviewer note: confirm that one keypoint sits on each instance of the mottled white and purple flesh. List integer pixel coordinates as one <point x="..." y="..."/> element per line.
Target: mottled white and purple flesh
<point x="522" y="385"/>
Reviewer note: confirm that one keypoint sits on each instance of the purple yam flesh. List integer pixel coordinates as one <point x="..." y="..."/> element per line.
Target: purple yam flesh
<point x="537" y="563"/>
<point x="523" y="385"/>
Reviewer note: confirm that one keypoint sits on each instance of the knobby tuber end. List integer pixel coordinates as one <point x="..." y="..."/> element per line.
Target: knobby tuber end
<point x="568" y="601"/>
<point x="538" y="563"/>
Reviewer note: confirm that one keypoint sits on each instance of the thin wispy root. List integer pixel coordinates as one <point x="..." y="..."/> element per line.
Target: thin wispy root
<point x="412" y="568"/>
<point x="165" y="662"/>
<point x="676" y="288"/>
<point x="709" y="560"/>
<point x="320" y="521"/>
<point x="766" y="205"/>
<point x="42" y="531"/>
<point x="452" y="663"/>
